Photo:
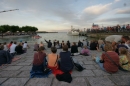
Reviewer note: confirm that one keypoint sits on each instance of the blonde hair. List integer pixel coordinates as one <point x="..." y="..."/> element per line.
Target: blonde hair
<point x="123" y="51"/>
<point x="41" y="42"/>
<point x="108" y="47"/>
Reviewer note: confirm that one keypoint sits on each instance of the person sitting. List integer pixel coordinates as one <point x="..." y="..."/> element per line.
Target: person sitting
<point x="5" y="56"/>
<point x="36" y="46"/>
<point x="74" y="48"/>
<point x="124" y="59"/>
<point x="10" y="44"/>
<point x="39" y="62"/>
<point x="68" y="43"/>
<point x="49" y="44"/>
<point x="62" y="44"/>
<point x="53" y="59"/>
<point x="105" y="62"/>
<point x="5" y="47"/>
<point x="85" y="51"/>
<point x="66" y="64"/>
<point x="25" y="46"/>
<point x="19" y="49"/>
<point x="93" y="45"/>
<point x="12" y="49"/>
<point x="41" y="44"/>
<point x="80" y="44"/>
<point x="122" y="44"/>
<point x="57" y="45"/>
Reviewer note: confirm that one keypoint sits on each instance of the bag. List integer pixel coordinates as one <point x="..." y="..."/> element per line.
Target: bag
<point x="46" y="69"/>
<point x="101" y="61"/>
<point x="78" y="67"/>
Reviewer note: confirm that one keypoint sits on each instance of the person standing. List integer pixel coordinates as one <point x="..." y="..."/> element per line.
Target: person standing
<point x="49" y="44"/>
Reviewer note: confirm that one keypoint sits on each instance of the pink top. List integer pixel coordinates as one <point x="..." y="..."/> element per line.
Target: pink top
<point x="85" y="51"/>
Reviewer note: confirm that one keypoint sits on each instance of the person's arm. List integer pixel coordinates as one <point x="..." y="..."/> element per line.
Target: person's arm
<point x="46" y="41"/>
<point x="102" y="57"/>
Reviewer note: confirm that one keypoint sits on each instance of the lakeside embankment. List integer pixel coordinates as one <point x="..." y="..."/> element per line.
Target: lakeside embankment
<point x="19" y="73"/>
<point x="15" y="36"/>
<point x="103" y="35"/>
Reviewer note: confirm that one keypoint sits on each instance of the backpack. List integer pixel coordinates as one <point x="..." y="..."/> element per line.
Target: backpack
<point x="78" y="67"/>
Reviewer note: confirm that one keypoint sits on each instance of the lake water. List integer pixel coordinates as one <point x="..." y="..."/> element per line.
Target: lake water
<point x="47" y="36"/>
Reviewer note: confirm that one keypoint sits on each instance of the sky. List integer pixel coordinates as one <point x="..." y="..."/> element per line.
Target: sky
<point x="60" y="15"/>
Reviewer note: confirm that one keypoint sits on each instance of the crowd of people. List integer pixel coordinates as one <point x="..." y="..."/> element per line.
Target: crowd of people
<point x="115" y="55"/>
<point x="10" y="52"/>
<point x="110" y="29"/>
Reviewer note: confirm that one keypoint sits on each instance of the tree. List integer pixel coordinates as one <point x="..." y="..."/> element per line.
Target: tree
<point x="1" y="30"/>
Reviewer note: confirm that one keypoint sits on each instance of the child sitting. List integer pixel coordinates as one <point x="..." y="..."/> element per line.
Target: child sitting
<point x="124" y="59"/>
<point x="85" y="51"/>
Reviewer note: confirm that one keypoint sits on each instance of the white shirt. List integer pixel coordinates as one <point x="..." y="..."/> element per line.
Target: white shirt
<point x="84" y="43"/>
<point x="12" y="48"/>
<point x="113" y="38"/>
<point x="127" y="46"/>
<point x="25" y="45"/>
<point x="5" y="47"/>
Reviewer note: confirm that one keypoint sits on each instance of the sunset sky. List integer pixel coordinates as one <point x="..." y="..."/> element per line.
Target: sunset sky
<point x="59" y="15"/>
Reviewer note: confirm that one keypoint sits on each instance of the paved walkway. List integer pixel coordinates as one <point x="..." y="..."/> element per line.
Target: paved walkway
<point x="17" y="74"/>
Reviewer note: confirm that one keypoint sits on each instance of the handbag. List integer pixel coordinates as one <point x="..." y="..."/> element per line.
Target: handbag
<point x="77" y="66"/>
<point x="119" y="67"/>
<point x="46" y="69"/>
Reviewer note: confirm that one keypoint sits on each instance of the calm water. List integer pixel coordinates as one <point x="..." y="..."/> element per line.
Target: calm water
<point x="47" y="36"/>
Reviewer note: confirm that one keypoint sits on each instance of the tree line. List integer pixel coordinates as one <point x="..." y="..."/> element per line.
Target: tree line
<point x="13" y="28"/>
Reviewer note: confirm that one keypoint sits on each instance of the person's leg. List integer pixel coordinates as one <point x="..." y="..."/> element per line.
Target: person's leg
<point x="97" y="59"/>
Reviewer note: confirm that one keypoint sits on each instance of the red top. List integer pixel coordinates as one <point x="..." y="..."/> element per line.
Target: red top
<point x="9" y="45"/>
<point x="39" y="61"/>
<point x="108" y="64"/>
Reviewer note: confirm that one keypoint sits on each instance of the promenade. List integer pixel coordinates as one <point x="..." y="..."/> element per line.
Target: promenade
<point x="18" y="73"/>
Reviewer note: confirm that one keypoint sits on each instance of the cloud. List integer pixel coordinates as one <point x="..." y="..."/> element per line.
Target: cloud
<point x="117" y="0"/>
<point x="97" y="9"/>
<point x="121" y="20"/>
<point x="123" y="11"/>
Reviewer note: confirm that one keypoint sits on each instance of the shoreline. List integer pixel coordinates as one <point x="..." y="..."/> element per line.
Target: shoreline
<point x="14" y="36"/>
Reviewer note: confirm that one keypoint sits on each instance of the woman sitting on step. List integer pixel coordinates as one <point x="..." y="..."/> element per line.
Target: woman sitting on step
<point x="108" y="60"/>
<point x="53" y="60"/>
<point x="39" y="63"/>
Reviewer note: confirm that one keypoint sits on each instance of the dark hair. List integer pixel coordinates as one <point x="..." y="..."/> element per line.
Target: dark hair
<point x="123" y="50"/>
<point x="4" y="42"/>
<point x="74" y="43"/>
<point x="41" y="48"/>
<point x="65" y="48"/>
<point x="11" y="42"/>
<point x="15" y="42"/>
<point x="25" y="42"/>
<point x="53" y="49"/>
<point x="1" y="47"/>
<point x="126" y="37"/>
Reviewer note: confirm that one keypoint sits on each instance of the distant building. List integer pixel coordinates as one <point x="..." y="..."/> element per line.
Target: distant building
<point x="95" y="26"/>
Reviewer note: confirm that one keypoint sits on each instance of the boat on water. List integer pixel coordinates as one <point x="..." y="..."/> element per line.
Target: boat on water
<point x="37" y="37"/>
<point x="73" y="32"/>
